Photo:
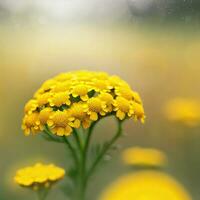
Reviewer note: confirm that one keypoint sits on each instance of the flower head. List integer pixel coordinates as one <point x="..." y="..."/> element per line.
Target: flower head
<point x="138" y="156"/>
<point x="123" y="108"/>
<point x="31" y="123"/>
<point x="59" y="122"/>
<point x="39" y="176"/>
<point x="75" y="99"/>
<point x="146" y="185"/>
<point x="94" y="107"/>
<point x="183" y="110"/>
<point x="59" y="99"/>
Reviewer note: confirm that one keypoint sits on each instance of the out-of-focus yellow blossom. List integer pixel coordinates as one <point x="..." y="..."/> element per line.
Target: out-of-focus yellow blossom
<point x="183" y="110"/>
<point x="146" y="185"/>
<point x="39" y="176"/>
<point x="138" y="156"/>
<point x="75" y="99"/>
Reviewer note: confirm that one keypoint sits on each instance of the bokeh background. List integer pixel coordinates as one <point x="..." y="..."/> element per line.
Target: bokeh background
<point x="153" y="44"/>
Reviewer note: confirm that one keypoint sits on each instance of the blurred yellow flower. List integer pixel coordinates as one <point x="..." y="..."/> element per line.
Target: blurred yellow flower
<point x="39" y="175"/>
<point x="145" y="185"/>
<point x="139" y="156"/>
<point x="75" y="99"/>
<point x="183" y="110"/>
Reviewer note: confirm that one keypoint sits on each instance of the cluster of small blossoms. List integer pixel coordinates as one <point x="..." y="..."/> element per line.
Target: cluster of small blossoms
<point x="75" y="99"/>
<point x="39" y="176"/>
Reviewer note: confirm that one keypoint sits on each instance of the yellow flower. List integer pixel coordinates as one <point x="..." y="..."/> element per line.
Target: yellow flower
<point x="100" y="85"/>
<point x="77" y="111"/>
<point x="94" y="107"/>
<point x="108" y="100"/>
<point x="85" y="96"/>
<point x="138" y="156"/>
<point x="43" y="99"/>
<point x="44" y="116"/>
<point x="81" y="91"/>
<point x="136" y="97"/>
<point x="146" y="185"/>
<point x="123" y="108"/>
<point x="31" y="123"/>
<point x="124" y="92"/>
<point x="183" y="110"/>
<point x="31" y="106"/>
<point x="59" y="99"/>
<point x="62" y="87"/>
<point x="39" y="176"/>
<point x="59" y="122"/>
<point x="138" y="111"/>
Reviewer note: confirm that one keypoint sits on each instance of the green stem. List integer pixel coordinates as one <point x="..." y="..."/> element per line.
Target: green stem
<point x="77" y="139"/>
<point x="83" y="161"/>
<point x="106" y="148"/>
<point x="73" y="151"/>
<point x="42" y="194"/>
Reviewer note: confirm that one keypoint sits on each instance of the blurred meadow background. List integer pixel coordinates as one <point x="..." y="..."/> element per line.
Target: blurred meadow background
<point x="152" y="44"/>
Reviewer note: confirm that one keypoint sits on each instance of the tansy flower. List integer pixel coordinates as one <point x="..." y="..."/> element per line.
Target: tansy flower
<point x="100" y="85"/>
<point x="99" y="94"/>
<point x="31" y="106"/>
<point x="123" y="108"/>
<point x="46" y="87"/>
<point x="59" y="122"/>
<point x="31" y="123"/>
<point x="39" y="176"/>
<point x="77" y="111"/>
<point x="59" y="99"/>
<point x="94" y="107"/>
<point x="44" y="116"/>
<point x="81" y="91"/>
<point x="108" y="100"/>
<point x="124" y="92"/>
<point x="183" y="110"/>
<point x="146" y="185"/>
<point x="62" y="87"/>
<point x="136" y="97"/>
<point x="43" y="99"/>
<point x="137" y="156"/>
<point x="138" y="111"/>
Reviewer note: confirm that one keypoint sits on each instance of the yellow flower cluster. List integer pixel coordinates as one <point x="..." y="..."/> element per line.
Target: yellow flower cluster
<point x="70" y="100"/>
<point x="146" y="185"/>
<point x="144" y="157"/>
<point x="39" y="175"/>
<point x="183" y="110"/>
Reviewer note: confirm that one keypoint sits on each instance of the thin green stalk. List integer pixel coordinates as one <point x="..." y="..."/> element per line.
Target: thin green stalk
<point x="73" y="151"/>
<point x="106" y="148"/>
<point x="42" y="194"/>
<point x="75" y="134"/>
